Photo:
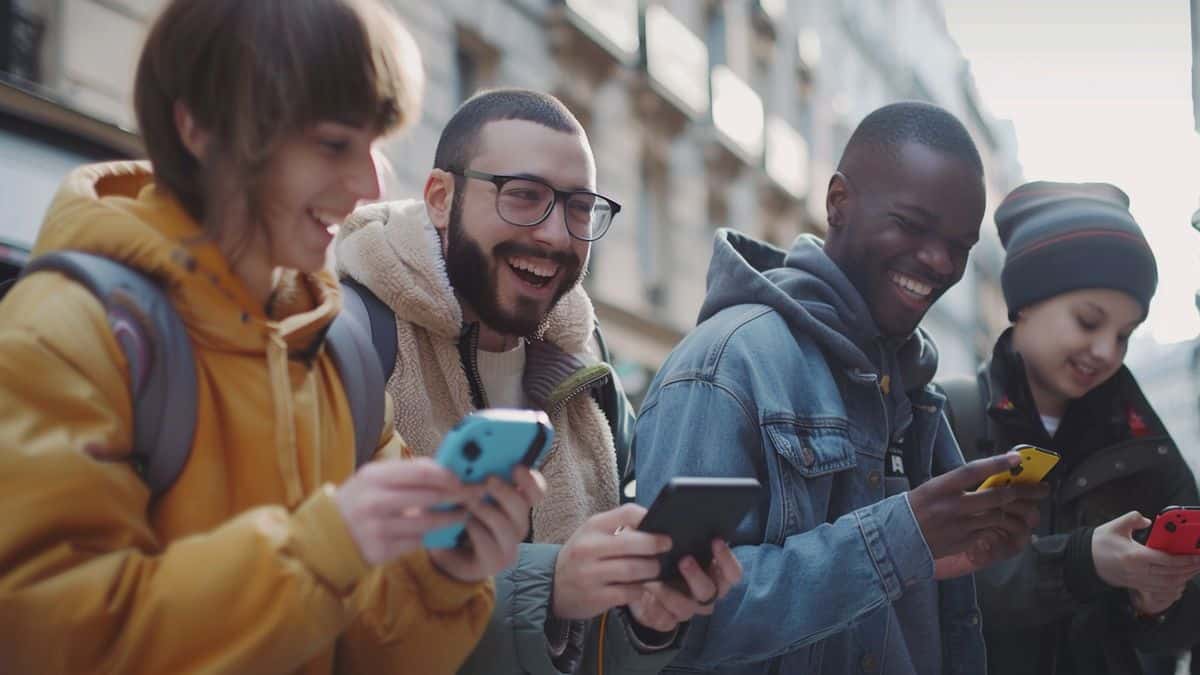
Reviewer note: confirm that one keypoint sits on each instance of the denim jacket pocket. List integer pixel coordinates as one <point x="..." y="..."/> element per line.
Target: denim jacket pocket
<point x="813" y="450"/>
<point x="806" y="460"/>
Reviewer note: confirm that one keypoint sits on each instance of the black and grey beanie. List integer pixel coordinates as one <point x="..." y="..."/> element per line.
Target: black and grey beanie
<point x="1061" y="237"/>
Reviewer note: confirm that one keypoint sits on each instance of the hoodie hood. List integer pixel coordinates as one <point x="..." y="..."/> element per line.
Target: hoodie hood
<point x="114" y="210"/>
<point x="817" y="300"/>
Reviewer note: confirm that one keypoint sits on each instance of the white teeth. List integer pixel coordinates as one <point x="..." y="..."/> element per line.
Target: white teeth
<point x="1084" y="369"/>
<point x="325" y="220"/>
<point x="538" y="267"/>
<point x="911" y="285"/>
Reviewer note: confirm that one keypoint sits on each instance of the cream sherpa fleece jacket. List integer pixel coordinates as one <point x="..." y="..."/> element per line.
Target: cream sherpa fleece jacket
<point x="393" y="249"/>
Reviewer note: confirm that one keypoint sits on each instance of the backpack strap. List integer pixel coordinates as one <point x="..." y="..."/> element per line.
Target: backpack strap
<point x="966" y="409"/>
<point x="158" y="351"/>
<point x="362" y="379"/>
<point x="371" y="312"/>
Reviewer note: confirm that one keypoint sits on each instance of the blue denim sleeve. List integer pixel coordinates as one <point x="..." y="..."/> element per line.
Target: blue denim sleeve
<point x="798" y="587"/>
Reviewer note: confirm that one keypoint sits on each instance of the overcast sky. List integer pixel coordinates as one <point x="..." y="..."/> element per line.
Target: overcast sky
<point x="1100" y="90"/>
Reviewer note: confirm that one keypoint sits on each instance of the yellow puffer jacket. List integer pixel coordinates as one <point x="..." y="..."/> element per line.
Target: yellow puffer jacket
<point x="245" y="565"/>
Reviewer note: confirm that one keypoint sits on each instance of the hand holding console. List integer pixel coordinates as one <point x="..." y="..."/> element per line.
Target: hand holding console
<point x="608" y="563"/>
<point x="388" y="505"/>
<point x="497" y="524"/>
<point x="664" y="605"/>
<point x="695" y="512"/>
<point x="604" y="564"/>
<point x="1035" y="464"/>
<point x="492" y="452"/>
<point x="699" y="514"/>
<point x="967" y="529"/>
<point x="1124" y="563"/>
<point x="490" y="444"/>
<point x="1176" y="530"/>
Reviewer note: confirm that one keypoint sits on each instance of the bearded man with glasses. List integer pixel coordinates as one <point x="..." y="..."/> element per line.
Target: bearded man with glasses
<point x="483" y="278"/>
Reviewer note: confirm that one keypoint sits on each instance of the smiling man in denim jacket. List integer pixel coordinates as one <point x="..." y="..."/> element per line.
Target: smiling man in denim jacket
<point x="807" y="372"/>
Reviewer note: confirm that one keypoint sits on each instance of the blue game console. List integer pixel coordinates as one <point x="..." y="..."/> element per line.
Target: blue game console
<point x="490" y="443"/>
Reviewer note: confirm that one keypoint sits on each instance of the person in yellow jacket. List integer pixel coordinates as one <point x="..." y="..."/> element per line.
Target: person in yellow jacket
<point x="259" y="120"/>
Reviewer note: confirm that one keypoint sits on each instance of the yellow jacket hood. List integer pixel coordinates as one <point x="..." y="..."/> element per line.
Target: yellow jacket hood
<point x="116" y="211"/>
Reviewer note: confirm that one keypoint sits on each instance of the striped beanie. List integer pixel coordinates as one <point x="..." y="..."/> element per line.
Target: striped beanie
<point x="1061" y="237"/>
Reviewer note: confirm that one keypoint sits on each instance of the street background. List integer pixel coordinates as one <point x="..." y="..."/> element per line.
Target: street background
<point x="732" y="113"/>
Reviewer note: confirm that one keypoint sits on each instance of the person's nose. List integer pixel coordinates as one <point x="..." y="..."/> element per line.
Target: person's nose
<point x="552" y="232"/>
<point x="362" y="178"/>
<point x="935" y="255"/>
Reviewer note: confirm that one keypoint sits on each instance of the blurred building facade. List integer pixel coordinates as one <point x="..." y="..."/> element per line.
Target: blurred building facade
<point x="702" y="114"/>
<point x="1196" y="81"/>
<point x="1196" y="62"/>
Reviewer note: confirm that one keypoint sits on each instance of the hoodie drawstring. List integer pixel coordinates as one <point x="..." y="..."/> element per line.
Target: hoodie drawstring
<point x="285" y="428"/>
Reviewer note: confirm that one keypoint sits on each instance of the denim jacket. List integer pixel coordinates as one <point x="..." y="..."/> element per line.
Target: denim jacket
<point x="781" y="381"/>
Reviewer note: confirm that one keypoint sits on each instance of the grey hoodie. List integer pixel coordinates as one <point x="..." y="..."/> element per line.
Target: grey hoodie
<point x="816" y="298"/>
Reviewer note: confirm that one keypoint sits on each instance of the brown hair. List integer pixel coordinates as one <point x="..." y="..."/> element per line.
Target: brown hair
<point x="256" y="72"/>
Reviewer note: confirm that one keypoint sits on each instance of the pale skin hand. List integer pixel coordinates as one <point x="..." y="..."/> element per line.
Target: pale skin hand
<point x="1153" y="603"/>
<point x="495" y="529"/>
<point x="387" y="505"/>
<point x="662" y="607"/>
<point x="597" y="569"/>
<point x="1124" y="563"/>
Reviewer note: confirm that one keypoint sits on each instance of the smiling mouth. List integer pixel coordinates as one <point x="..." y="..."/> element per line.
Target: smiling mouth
<point x="1086" y="371"/>
<point x="324" y="220"/>
<point x="915" y="288"/>
<point x="534" y="271"/>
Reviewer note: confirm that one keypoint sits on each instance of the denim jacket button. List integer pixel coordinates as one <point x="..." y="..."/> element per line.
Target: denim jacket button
<point x="1082" y="482"/>
<point x="973" y="619"/>
<point x="869" y="664"/>
<point x="807" y="456"/>
<point x="873" y="478"/>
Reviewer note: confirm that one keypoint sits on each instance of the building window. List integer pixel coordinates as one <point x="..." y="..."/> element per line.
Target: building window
<point x="651" y="225"/>
<point x="20" y="42"/>
<point x="808" y="58"/>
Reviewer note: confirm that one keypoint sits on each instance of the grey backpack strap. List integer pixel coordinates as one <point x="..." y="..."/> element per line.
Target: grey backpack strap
<point x="966" y="408"/>
<point x="372" y="313"/>
<point x="362" y="380"/>
<point x="162" y="369"/>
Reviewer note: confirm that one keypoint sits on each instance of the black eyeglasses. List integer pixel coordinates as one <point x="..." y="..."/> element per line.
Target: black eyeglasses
<point x="526" y="202"/>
